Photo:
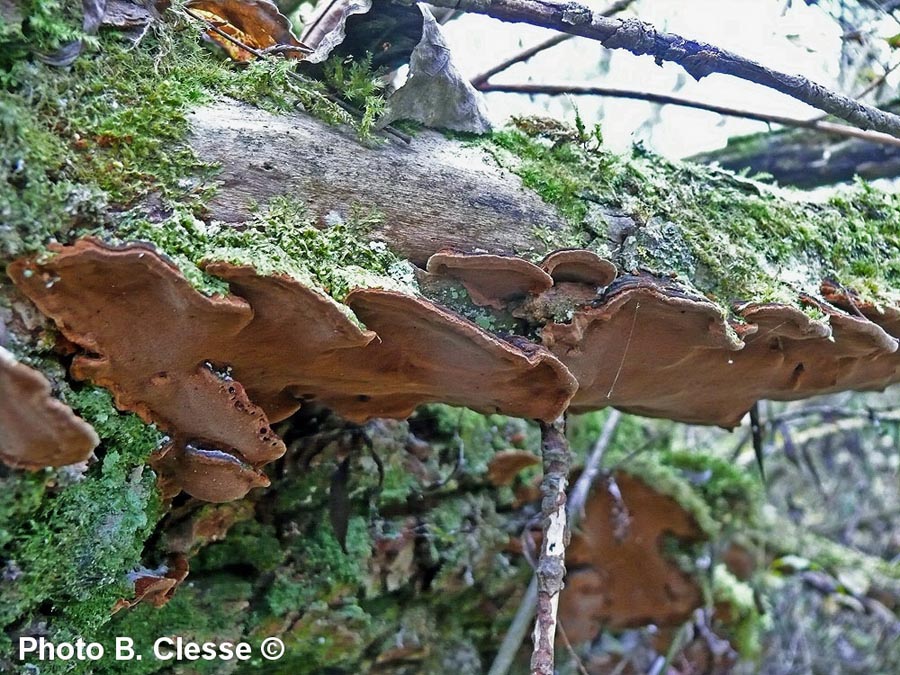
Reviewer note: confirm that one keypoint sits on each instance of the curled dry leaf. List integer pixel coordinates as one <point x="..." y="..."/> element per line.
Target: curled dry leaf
<point x="255" y="23"/>
<point x="36" y="430"/>
<point x="327" y="28"/>
<point x="436" y="93"/>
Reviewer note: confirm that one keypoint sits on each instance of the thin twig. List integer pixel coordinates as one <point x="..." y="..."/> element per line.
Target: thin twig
<point x="575" y="509"/>
<point x="296" y="76"/>
<point x="551" y="569"/>
<point x="529" y="52"/>
<point x="666" y="99"/>
<point x="516" y="633"/>
<point x="581" y="489"/>
<point x="479" y="80"/>
<point x="699" y="59"/>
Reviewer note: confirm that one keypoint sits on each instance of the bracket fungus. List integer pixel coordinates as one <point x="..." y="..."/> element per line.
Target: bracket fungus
<point x="573" y="265"/>
<point x="155" y="586"/>
<point x="491" y="280"/>
<point x="619" y="577"/>
<point x="649" y="348"/>
<point x="214" y="371"/>
<point x="36" y="430"/>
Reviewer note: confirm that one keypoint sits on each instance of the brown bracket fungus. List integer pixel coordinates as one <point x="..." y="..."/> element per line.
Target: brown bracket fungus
<point x="36" y="430"/>
<point x="573" y="265"/>
<point x="637" y="350"/>
<point x="491" y="280"/>
<point x="155" y="587"/>
<point x="213" y="372"/>
<point x="428" y="354"/>
<point x="648" y="348"/>
<point x="618" y="576"/>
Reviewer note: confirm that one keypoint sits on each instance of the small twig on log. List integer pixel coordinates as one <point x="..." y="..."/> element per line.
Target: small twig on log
<point x="574" y="509"/>
<point x="529" y="52"/>
<point x="551" y="568"/>
<point x="296" y="76"/>
<point x="699" y="59"/>
<point x="665" y="99"/>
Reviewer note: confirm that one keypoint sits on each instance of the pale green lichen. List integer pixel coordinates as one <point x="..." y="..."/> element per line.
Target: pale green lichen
<point x="745" y="623"/>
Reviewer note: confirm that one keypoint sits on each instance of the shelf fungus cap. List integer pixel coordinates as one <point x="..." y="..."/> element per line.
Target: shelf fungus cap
<point x="426" y="353"/>
<point x="618" y="574"/>
<point x="209" y="474"/>
<point x="491" y="280"/>
<point x="649" y="347"/>
<point x="574" y="265"/>
<point x="213" y="372"/>
<point x="155" y="587"/>
<point x="36" y="430"/>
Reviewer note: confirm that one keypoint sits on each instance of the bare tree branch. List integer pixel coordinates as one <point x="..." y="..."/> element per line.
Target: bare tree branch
<point x="699" y="59"/>
<point x="665" y="99"/>
<point x="551" y="567"/>
<point x="529" y="52"/>
<point x="479" y="80"/>
<point x="574" y="509"/>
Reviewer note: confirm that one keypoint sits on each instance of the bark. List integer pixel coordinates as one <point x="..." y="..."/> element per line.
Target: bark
<point x="433" y="193"/>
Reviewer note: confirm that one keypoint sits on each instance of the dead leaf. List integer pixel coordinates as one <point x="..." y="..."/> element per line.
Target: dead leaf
<point x="435" y="93"/>
<point x="93" y="18"/>
<point x="327" y="28"/>
<point x="255" y="23"/>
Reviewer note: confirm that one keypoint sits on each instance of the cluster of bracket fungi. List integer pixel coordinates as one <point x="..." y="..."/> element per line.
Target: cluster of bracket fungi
<point x="214" y="372"/>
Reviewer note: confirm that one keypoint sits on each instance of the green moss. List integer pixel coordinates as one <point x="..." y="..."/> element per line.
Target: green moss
<point x="210" y="608"/>
<point x="50" y="24"/>
<point x="319" y="568"/>
<point x="279" y="239"/>
<point x="72" y="550"/>
<point x="745" y="624"/>
<point x="732" y="238"/>
<point x="715" y="491"/>
<point x="477" y="436"/>
<point x="112" y="129"/>
<point x="249" y="543"/>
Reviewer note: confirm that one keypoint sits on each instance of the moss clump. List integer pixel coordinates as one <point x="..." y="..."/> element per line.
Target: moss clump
<point x="743" y="623"/>
<point x="111" y="129"/>
<point x="718" y="494"/>
<point x="212" y="608"/>
<point x="732" y="238"/>
<point x="280" y="239"/>
<point x="71" y="543"/>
